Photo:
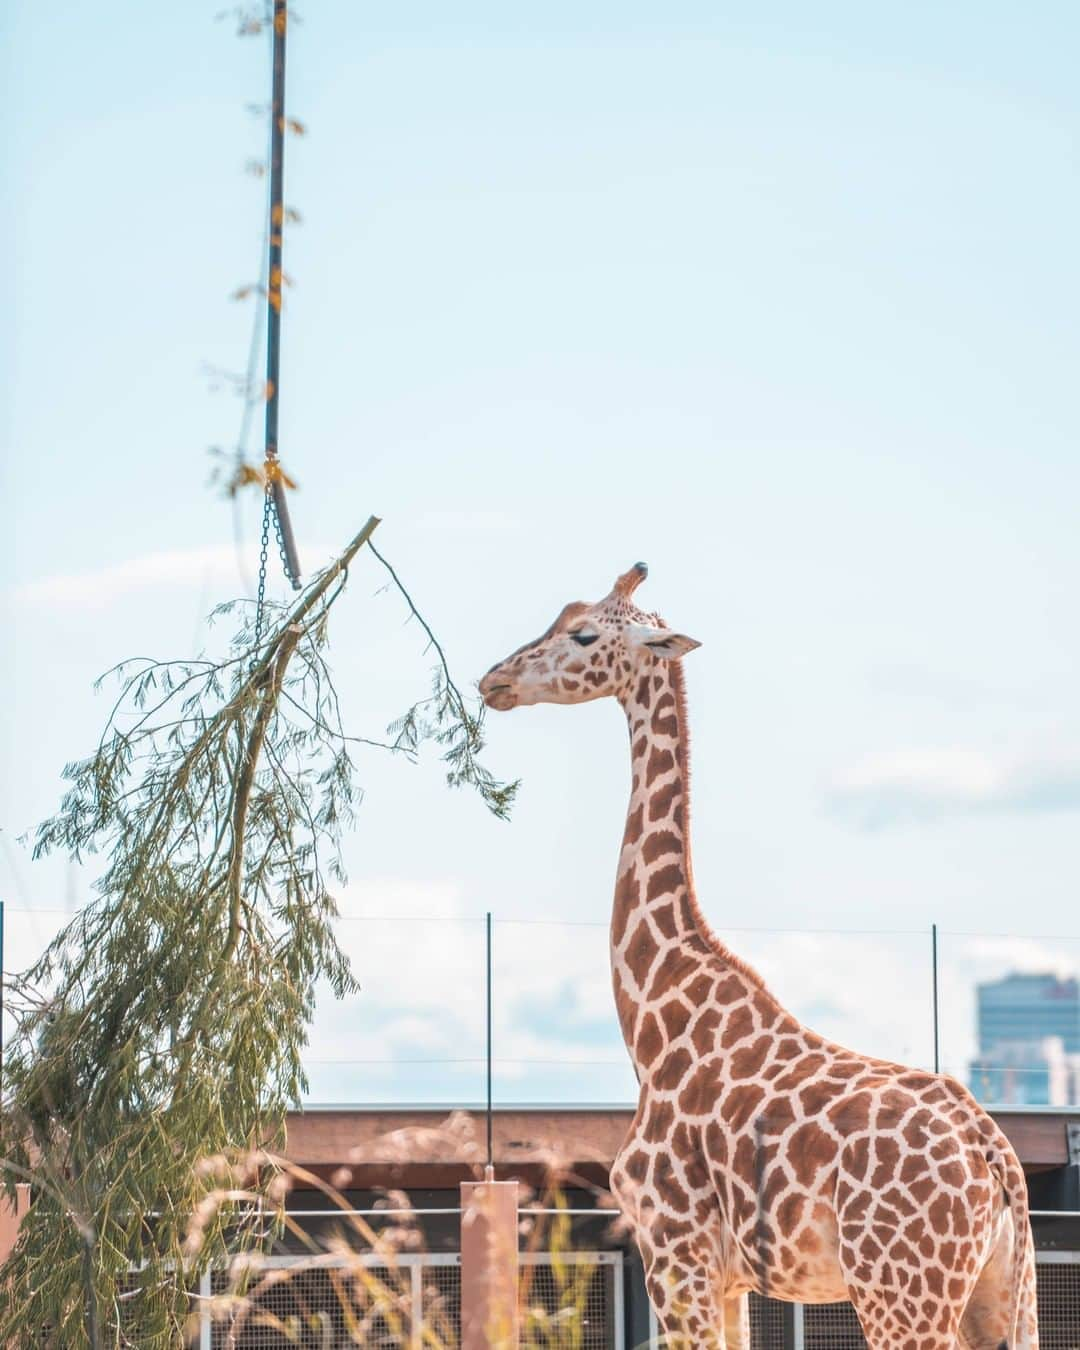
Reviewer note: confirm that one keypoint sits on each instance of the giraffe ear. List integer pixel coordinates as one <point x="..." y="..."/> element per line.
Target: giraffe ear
<point x="660" y="641"/>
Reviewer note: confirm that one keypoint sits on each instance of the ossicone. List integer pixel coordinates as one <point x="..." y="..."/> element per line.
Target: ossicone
<point x="630" y="580"/>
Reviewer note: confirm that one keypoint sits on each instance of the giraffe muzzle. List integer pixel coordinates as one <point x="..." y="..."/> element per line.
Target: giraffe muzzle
<point x="500" y="697"/>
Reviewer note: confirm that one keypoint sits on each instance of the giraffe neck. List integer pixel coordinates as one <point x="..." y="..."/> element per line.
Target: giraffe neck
<point x="656" y="925"/>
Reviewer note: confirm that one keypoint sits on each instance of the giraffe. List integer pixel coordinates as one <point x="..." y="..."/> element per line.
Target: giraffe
<point x="762" y="1156"/>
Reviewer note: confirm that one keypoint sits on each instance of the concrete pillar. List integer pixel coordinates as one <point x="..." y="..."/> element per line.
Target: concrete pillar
<point x="489" y="1264"/>
<point x="10" y="1218"/>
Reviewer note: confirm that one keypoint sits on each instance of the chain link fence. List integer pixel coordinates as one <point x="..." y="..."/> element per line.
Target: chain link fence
<point x="297" y="1303"/>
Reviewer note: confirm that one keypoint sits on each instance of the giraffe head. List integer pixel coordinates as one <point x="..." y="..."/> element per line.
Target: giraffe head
<point x="590" y="651"/>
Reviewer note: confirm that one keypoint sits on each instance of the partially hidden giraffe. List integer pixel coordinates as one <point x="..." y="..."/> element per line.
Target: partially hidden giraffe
<point x="762" y="1156"/>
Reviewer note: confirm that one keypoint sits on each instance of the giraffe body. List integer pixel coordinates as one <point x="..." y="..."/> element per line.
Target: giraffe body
<point x="762" y="1156"/>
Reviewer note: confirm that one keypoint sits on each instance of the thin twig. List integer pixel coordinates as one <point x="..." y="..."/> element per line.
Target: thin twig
<point x="423" y="624"/>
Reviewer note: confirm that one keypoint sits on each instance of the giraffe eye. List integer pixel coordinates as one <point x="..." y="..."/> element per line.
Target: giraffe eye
<point x="584" y="639"/>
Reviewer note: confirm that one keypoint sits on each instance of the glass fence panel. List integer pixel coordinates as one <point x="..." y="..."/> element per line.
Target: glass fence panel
<point x="1007" y="1009"/>
<point x="870" y="991"/>
<point x="1010" y="1016"/>
<point x="556" y="1036"/>
<point x="415" y="1032"/>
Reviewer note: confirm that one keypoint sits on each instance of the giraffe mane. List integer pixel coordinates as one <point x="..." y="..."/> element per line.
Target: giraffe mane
<point x="678" y="685"/>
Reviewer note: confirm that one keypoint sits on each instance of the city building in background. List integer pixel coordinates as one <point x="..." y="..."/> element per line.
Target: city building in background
<point x="1029" y="1041"/>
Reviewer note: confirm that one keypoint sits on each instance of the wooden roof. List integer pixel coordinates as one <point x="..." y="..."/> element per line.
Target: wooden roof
<point x="438" y="1146"/>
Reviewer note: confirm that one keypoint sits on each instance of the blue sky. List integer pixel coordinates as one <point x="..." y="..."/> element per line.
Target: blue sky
<point x="781" y="300"/>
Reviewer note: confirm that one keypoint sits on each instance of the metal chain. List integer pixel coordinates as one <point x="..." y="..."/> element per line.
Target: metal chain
<point x="260" y="603"/>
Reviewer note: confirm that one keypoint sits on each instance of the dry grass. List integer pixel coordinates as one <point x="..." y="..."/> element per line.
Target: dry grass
<point x="351" y="1285"/>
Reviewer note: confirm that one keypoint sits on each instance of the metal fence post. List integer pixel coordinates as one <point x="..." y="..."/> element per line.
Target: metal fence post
<point x="490" y="1130"/>
<point x="1" y="998"/>
<point x="934" y="977"/>
<point x="416" y="1306"/>
<point x="206" y="1293"/>
<point x="794" y="1326"/>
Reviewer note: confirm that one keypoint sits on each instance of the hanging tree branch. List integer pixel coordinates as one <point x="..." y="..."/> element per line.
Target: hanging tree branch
<point x="168" y="1020"/>
<point x="271" y="680"/>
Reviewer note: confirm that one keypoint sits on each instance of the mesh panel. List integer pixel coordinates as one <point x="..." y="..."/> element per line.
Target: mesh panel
<point x="298" y="1309"/>
<point x="834" y="1326"/>
<point x="1059" y="1306"/>
<point x="442" y="1302"/>
<point x="140" y="1308"/>
<point x="766" y="1323"/>
<point x="767" y="1317"/>
<point x="129" y="1331"/>
<point x="831" y="1326"/>
<point x="569" y="1307"/>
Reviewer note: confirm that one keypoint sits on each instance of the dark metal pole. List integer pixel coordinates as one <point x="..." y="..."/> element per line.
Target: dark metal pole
<point x="274" y="281"/>
<point x="490" y="1147"/>
<point x="761" y="1236"/>
<point x="934" y="967"/>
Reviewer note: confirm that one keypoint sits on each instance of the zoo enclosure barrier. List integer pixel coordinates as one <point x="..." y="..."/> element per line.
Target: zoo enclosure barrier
<point x="611" y="1312"/>
<point x="454" y="1008"/>
<point x="314" y="1307"/>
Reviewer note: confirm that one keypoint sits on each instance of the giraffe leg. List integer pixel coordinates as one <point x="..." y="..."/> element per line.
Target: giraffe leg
<point x="684" y="1263"/>
<point x="985" y="1324"/>
<point x="737" y="1322"/>
<point x="684" y="1293"/>
<point x="689" y="1321"/>
<point x="905" y="1304"/>
<point x="910" y="1269"/>
<point x="888" y="1325"/>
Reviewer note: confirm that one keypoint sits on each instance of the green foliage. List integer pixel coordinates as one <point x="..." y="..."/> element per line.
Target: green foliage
<point x="168" y="1020"/>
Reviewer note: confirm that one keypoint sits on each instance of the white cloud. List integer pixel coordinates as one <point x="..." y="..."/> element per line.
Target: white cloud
<point x="469" y="522"/>
<point x="418" y="952"/>
<point x="868" y="991"/>
<point x="556" y="1033"/>
<point x="98" y="589"/>
<point x="989" y="956"/>
<point x="922" y="785"/>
